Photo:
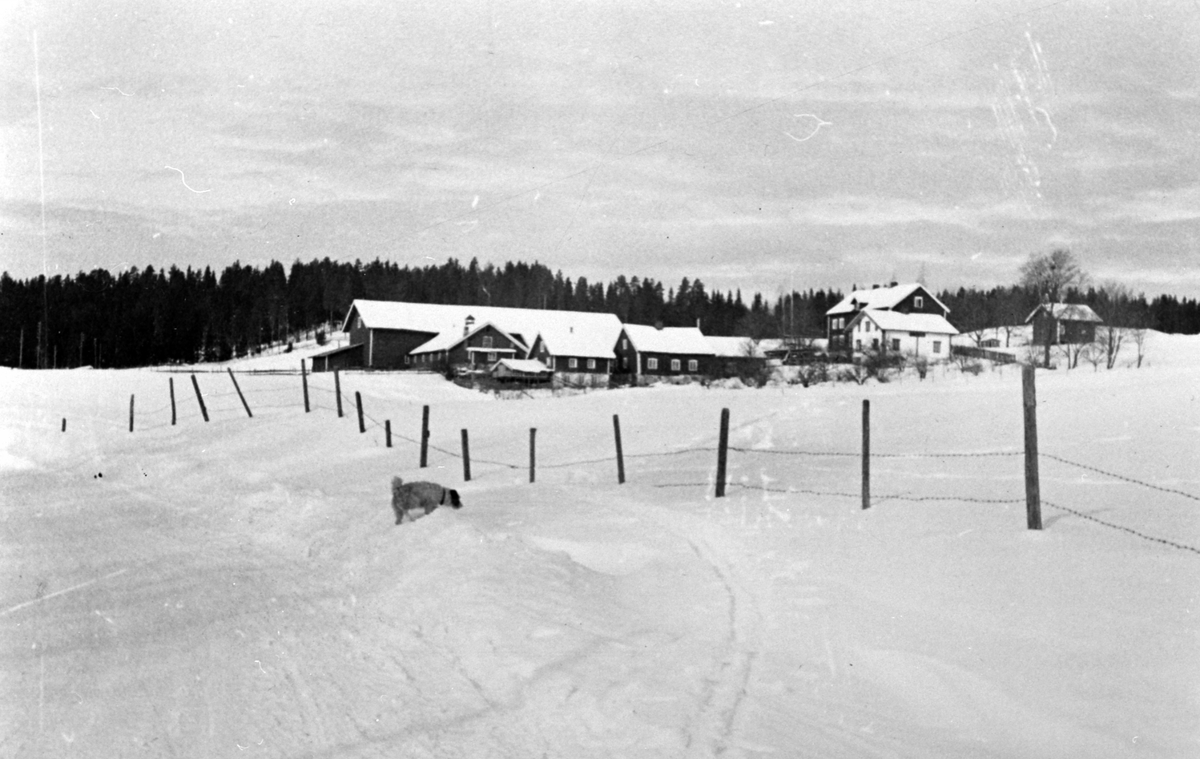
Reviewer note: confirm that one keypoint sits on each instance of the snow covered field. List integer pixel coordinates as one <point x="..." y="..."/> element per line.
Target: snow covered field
<point x="238" y="588"/>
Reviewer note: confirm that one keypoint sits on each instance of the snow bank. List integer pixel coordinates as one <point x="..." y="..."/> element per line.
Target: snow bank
<point x="237" y="587"/>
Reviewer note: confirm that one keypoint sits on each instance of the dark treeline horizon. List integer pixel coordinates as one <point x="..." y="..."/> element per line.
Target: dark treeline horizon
<point x="143" y="317"/>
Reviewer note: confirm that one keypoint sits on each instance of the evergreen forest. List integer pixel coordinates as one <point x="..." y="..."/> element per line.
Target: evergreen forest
<point x="149" y="316"/>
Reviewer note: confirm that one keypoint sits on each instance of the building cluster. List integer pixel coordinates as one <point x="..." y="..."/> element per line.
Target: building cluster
<point x="587" y="348"/>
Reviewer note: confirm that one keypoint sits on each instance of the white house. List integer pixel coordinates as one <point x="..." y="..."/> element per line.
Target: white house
<point x="925" y="335"/>
<point x="913" y="298"/>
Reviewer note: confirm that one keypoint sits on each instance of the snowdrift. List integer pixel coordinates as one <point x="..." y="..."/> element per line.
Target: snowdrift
<point x="237" y="587"/>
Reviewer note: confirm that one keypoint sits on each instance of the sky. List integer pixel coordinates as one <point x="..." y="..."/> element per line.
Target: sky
<point x="753" y="145"/>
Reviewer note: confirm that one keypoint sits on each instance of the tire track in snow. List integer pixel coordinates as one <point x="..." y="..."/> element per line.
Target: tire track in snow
<point x="712" y="730"/>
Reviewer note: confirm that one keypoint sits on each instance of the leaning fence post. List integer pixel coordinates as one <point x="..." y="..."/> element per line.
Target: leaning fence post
<point x="171" y="386"/>
<point x="424" y="437"/>
<point x="866" y="454"/>
<point x="466" y="451"/>
<point x="304" y="381"/>
<point x="131" y="413"/>
<point x="387" y="431"/>
<point x="532" y="453"/>
<point x="1033" y="501"/>
<point x="722" y="452"/>
<point x="620" y="456"/>
<point x="200" y="398"/>
<point x="239" y="392"/>
<point x="337" y="390"/>
<point x="358" y="402"/>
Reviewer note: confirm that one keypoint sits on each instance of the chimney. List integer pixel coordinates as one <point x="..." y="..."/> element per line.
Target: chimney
<point x="894" y="283"/>
<point x="468" y="324"/>
<point x="697" y="322"/>
<point x="658" y="325"/>
<point x="874" y="287"/>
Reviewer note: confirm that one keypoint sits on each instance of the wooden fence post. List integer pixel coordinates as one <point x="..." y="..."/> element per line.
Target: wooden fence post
<point x="131" y="413"/>
<point x="532" y="453"/>
<point x="171" y="386"/>
<point x="304" y="381"/>
<point x="200" y="398"/>
<point x="620" y="455"/>
<point x="424" y="437"/>
<point x="387" y="431"/>
<point x="466" y="451"/>
<point x="64" y="429"/>
<point x="358" y="402"/>
<point x="337" y="390"/>
<point x="1033" y="501"/>
<point x="239" y="392"/>
<point x="866" y="454"/>
<point x="722" y="452"/>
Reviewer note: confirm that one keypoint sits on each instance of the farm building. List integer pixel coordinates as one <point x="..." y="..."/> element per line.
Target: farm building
<point x="733" y="355"/>
<point x="645" y="352"/>
<point x="477" y="348"/>
<point x="520" y="370"/>
<point x="1063" y="324"/>
<point x="402" y="335"/>
<point x="924" y="335"/>
<point x="576" y="357"/>
<point x="895" y="298"/>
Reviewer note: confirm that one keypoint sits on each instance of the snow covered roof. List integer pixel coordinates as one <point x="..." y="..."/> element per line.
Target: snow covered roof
<point x="567" y="340"/>
<point x="880" y="298"/>
<point x="741" y="347"/>
<point x="438" y="318"/>
<point x="528" y="366"/>
<point x="447" y="340"/>
<point x="896" y="321"/>
<point x="1073" y="312"/>
<point x="683" y="340"/>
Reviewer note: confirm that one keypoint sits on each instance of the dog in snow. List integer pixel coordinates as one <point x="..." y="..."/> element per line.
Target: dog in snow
<point x="416" y="499"/>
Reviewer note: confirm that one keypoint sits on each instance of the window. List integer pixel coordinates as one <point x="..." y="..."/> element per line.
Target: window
<point x="651" y="364"/>
<point x="624" y="344"/>
<point x="591" y="363"/>
<point x="487" y="341"/>
<point x="407" y="360"/>
<point x="937" y="346"/>
<point x="693" y="365"/>
<point x="674" y="364"/>
<point x="875" y="343"/>
<point x="491" y="357"/>
<point x="919" y="302"/>
<point x="895" y="343"/>
<point x="572" y="363"/>
<point x="858" y="345"/>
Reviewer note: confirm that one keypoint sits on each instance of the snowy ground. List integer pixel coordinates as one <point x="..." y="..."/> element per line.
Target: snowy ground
<point x="237" y="588"/>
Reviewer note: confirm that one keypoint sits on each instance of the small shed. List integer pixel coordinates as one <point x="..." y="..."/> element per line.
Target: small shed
<point x="520" y="370"/>
<point x="1063" y="324"/>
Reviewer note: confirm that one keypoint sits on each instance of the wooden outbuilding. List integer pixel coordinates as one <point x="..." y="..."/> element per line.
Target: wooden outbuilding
<point x="1063" y="324"/>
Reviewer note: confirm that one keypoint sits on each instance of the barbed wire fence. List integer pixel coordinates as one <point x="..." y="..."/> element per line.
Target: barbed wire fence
<point x="324" y="399"/>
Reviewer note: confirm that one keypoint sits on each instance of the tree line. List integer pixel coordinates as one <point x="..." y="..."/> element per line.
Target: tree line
<point x="142" y="317"/>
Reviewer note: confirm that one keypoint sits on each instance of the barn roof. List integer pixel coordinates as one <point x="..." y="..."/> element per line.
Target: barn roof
<point x="1069" y="312"/>
<point x="436" y="318"/>
<point x="681" y="340"/>
<point x="896" y="321"/>
<point x="880" y="298"/>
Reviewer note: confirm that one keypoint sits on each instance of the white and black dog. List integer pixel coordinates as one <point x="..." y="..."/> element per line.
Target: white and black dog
<point x="416" y="499"/>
